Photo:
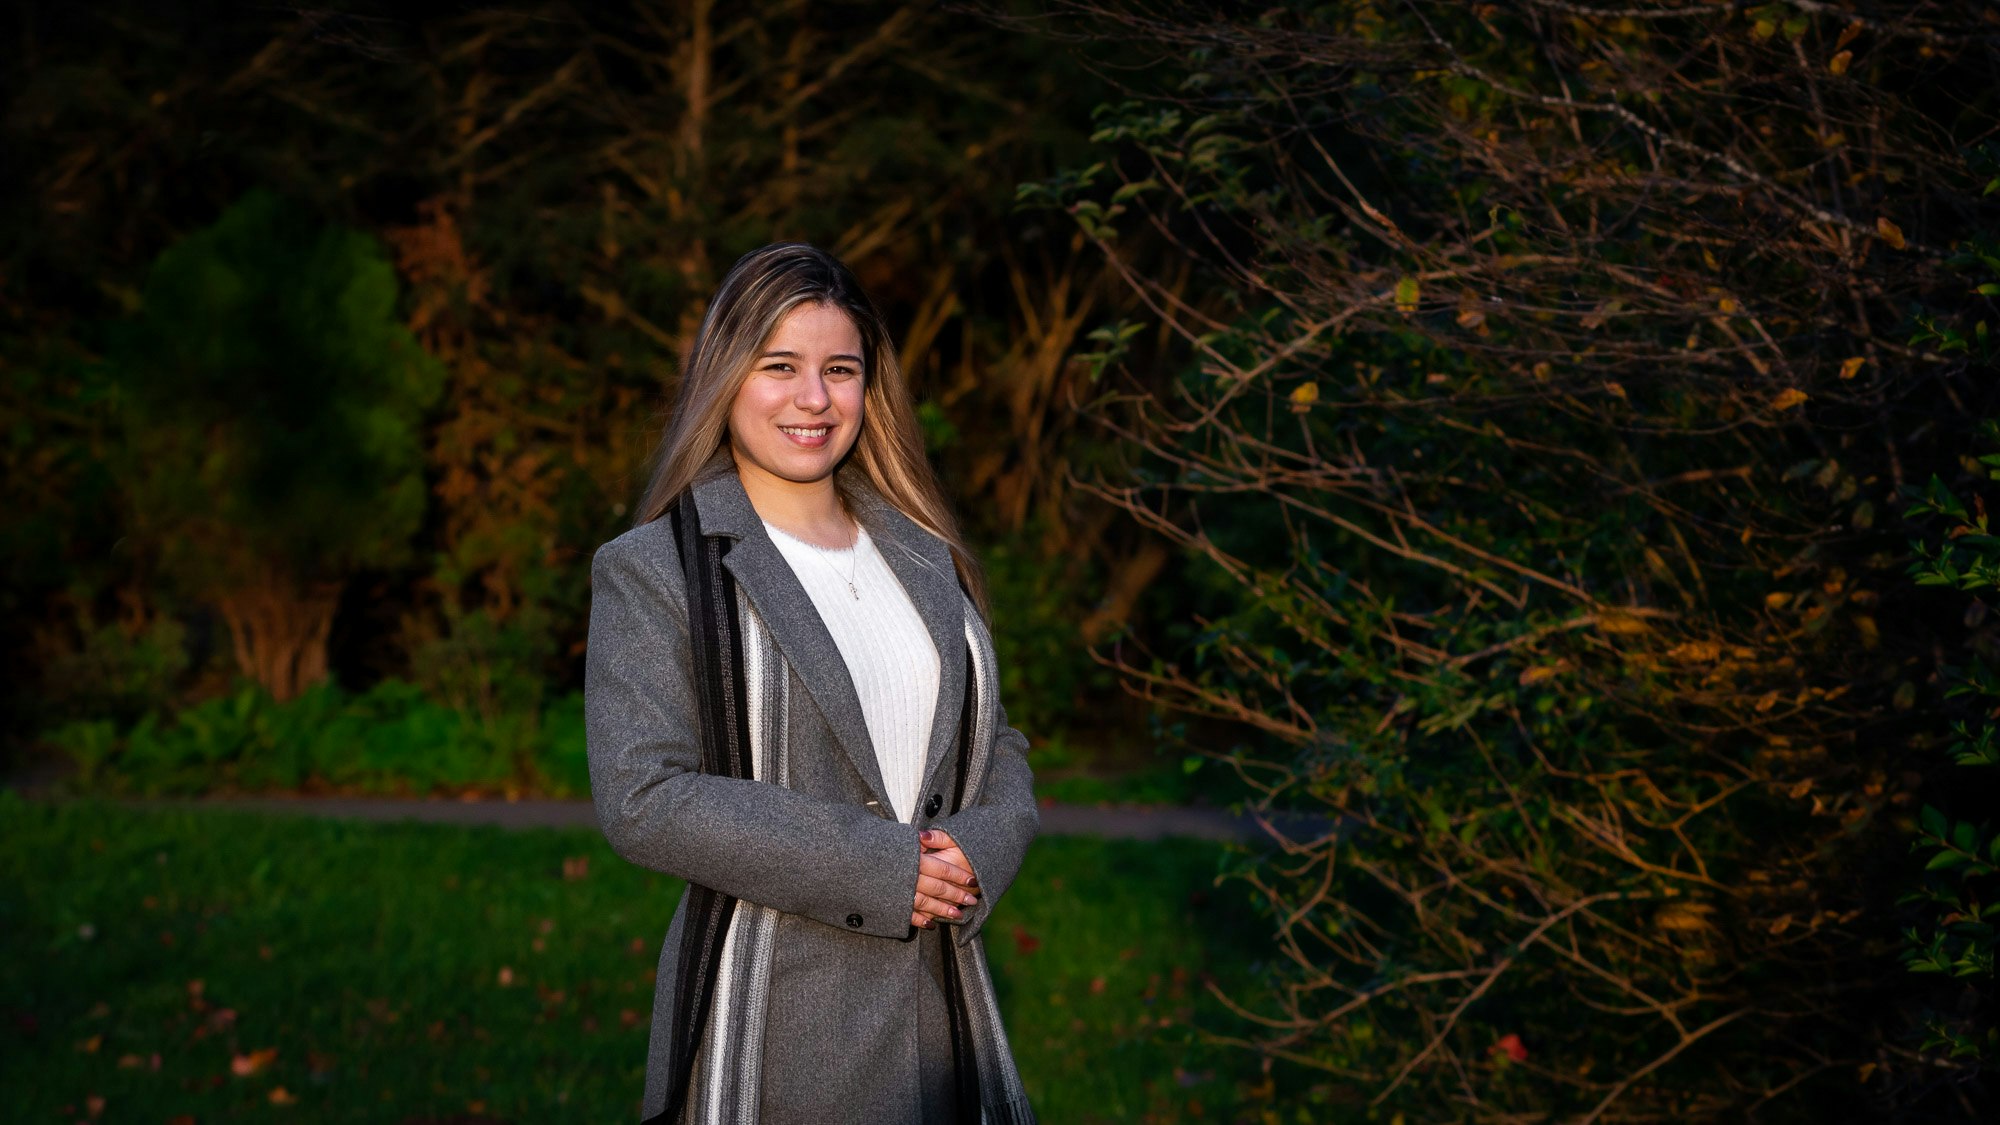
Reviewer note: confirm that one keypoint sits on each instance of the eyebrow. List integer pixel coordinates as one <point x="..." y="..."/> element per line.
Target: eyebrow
<point x="854" y="359"/>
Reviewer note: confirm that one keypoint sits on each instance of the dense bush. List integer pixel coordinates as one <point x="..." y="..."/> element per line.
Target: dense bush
<point x="1539" y="418"/>
<point x="390" y="739"/>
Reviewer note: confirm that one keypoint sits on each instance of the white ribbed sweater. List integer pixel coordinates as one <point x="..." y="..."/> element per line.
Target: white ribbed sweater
<point x="889" y="653"/>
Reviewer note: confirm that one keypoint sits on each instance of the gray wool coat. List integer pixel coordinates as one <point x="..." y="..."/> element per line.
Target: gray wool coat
<point x="854" y="1026"/>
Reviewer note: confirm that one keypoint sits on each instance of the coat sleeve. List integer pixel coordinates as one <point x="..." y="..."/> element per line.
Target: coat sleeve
<point x="995" y="831"/>
<point x="763" y="843"/>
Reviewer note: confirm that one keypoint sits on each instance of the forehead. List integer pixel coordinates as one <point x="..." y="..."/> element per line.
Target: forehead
<point x="816" y="325"/>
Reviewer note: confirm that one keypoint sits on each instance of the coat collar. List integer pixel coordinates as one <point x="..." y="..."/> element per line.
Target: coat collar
<point x="921" y="562"/>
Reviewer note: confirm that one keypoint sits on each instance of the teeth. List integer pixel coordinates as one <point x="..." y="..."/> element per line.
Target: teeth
<point x="807" y="431"/>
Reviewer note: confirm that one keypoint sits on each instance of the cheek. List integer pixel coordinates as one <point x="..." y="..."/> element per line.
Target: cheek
<point x="755" y="400"/>
<point x="851" y="395"/>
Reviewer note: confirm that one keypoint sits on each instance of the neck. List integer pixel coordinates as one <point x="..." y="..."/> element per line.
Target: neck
<point x="808" y="510"/>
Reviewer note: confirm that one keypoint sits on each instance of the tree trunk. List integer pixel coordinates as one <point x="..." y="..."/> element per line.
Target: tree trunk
<point x="279" y="628"/>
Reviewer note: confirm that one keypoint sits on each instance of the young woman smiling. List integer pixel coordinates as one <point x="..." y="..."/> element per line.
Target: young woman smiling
<point x="791" y="703"/>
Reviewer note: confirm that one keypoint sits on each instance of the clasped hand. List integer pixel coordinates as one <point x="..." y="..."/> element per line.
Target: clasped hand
<point x="945" y="881"/>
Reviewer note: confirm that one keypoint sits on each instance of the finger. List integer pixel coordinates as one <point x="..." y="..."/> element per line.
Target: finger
<point x="936" y="907"/>
<point x="940" y="869"/>
<point x="936" y="838"/>
<point x="949" y="892"/>
<point x="920" y="921"/>
<point x="957" y="859"/>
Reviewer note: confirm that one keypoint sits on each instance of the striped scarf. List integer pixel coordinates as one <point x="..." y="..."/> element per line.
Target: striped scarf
<point x="724" y="969"/>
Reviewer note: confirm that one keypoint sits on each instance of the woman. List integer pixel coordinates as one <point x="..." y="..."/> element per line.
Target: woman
<point x="791" y="703"/>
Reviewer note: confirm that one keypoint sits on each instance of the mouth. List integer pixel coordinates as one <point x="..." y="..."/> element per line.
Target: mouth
<point x="808" y="437"/>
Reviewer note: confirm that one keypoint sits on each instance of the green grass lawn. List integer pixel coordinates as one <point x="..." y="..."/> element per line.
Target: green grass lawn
<point x="206" y="966"/>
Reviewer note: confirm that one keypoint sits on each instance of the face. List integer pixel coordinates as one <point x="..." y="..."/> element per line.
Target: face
<point x="799" y="411"/>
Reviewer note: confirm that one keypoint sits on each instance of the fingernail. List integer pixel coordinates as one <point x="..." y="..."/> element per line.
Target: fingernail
<point x="926" y="836"/>
<point x="955" y="912"/>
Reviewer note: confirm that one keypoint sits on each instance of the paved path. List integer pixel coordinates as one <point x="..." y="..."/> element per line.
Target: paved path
<point x="1116" y="822"/>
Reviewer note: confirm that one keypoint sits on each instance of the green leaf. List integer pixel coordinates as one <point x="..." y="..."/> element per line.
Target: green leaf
<point x="1406" y="295"/>
<point x="1944" y="861"/>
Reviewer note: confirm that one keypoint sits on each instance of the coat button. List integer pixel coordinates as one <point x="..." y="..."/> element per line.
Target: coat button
<point x="854" y="921"/>
<point x="932" y="806"/>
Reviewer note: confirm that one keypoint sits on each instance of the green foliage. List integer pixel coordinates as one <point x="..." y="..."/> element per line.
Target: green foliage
<point x="1045" y="670"/>
<point x="390" y="739"/>
<point x="116" y="671"/>
<point x="269" y="394"/>
<point x="1957" y="893"/>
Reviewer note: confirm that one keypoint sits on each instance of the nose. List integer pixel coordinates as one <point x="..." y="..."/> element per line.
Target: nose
<point x="812" y="396"/>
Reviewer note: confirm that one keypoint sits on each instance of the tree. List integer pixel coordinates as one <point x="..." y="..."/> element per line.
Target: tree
<point x="271" y="403"/>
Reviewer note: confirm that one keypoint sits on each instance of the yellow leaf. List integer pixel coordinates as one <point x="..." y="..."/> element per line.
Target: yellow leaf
<point x="1539" y="673"/>
<point x="1727" y="304"/>
<point x="1838" y="63"/>
<point x="1542" y="371"/>
<point x="281" y="1096"/>
<point x="1800" y="790"/>
<point x="1851" y="366"/>
<point x="1767" y="701"/>
<point x="1890" y="232"/>
<point x="1783" y="923"/>
<point x="1613" y="621"/>
<point x="1698" y="652"/>
<point x="1763" y="29"/>
<point x="1406" y="295"/>
<point x="1305" y="394"/>
<point x="1617" y="390"/>
<point x="1683" y="917"/>
<point x="1788" y="398"/>
<point x="1776" y="599"/>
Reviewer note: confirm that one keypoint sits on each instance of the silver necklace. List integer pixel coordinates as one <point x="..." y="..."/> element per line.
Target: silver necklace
<point x="853" y="561"/>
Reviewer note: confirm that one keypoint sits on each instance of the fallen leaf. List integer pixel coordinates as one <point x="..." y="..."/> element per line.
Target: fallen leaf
<point x="1890" y="232"/>
<point x="1851" y="366"/>
<point x="1838" y="63"/>
<point x="1788" y="398"/>
<point x="281" y="1096"/>
<point x="1512" y="1046"/>
<point x="243" y="1066"/>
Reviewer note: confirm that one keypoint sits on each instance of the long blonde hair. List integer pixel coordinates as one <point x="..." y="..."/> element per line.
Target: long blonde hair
<point x="757" y="292"/>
